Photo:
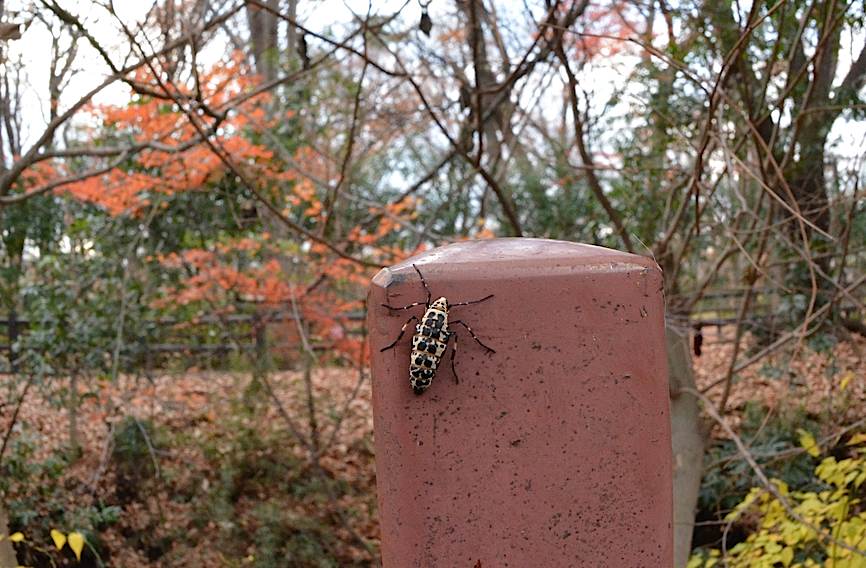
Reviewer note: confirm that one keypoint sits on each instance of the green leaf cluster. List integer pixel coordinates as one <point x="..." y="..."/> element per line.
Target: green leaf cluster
<point x="821" y="527"/>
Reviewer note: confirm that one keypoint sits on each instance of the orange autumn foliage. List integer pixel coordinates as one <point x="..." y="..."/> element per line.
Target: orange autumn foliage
<point x="607" y="27"/>
<point x="604" y="30"/>
<point x="244" y="273"/>
<point x="174" y="158"/>
<point x="38" y="174"/>
<point x="247" y="272"/>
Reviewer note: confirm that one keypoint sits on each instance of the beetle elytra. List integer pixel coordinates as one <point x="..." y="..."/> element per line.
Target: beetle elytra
<point x="431" y="337"/>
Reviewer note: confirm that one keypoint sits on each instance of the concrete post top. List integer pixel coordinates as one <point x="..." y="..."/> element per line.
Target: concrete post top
<point x="545" y="441"/>
<point x="488" y="258"/>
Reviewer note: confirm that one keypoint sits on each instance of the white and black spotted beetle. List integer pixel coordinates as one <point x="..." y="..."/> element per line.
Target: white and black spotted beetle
<point x="431" y="337"/>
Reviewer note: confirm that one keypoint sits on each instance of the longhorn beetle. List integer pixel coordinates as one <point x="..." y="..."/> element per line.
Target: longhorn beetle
<point x="431" y="337"/>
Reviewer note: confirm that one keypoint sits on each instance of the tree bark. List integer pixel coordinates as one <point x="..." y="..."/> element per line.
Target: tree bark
<point x="8" y="558"/>
<point x="689" y="440"/>
<point x="264" y="38"/>
<point x="7" y="552"/>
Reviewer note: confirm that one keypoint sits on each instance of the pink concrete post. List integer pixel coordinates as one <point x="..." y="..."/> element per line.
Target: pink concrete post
<point x="552" y="452"/>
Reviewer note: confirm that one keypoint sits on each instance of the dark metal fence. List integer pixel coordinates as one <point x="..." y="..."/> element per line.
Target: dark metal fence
<point x="204" y="341"/>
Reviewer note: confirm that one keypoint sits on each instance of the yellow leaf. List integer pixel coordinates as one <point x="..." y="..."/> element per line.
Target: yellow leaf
<point x="76" y="543"/>
<point x="857" y="439"/>
<point x="846" y="378"/>
<point x="58" y="537"/>
<point x="16" y="537"/>
<point x="808" y="443"/>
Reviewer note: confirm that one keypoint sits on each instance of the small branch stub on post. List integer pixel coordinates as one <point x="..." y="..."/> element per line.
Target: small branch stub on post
<point x="554" y="447"/>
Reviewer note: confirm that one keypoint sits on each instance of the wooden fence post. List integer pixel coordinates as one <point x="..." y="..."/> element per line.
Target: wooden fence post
<point x="553" y="451"/>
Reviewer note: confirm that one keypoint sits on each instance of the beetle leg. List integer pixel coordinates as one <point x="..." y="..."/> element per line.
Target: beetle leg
<point x="402" y="331"/>
<point x="475" y="337"/>
<point x="453" y="353"/>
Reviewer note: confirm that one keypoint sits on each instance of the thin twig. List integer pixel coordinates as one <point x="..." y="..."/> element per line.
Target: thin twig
<point x="823" y="536"/>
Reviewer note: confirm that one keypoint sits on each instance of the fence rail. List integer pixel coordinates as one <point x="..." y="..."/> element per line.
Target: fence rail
<point x="248" y="333"/>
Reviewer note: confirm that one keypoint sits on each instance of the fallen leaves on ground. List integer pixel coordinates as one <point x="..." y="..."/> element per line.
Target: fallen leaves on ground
<point x="197" y="410"/>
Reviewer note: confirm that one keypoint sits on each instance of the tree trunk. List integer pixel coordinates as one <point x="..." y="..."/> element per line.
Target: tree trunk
<point x="72" y="409"/>
<point x="689" y="440"/>
<point x="7" y="552"/>
<point x="807" y="179"/>
<point x="264" y="38"/>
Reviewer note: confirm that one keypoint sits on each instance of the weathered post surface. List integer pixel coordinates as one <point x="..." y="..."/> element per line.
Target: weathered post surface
<point x="554" y="451"/>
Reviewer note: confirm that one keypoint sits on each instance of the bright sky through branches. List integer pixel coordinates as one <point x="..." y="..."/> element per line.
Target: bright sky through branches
<point x="601" y="77"/>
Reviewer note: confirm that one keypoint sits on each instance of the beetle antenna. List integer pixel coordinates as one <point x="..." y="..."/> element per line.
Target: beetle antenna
<point x="471" y="301"/>
<point x="424" y="282"/>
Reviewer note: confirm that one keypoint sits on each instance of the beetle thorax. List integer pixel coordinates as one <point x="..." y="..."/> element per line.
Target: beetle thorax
<point x="440" y="304"/>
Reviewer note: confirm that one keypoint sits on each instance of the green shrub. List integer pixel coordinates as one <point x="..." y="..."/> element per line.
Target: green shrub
<point x="769" y="432"/>
<point x="134" y="456"/>
<point x="823" y="523"/>
<point x="41" y="505"/>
